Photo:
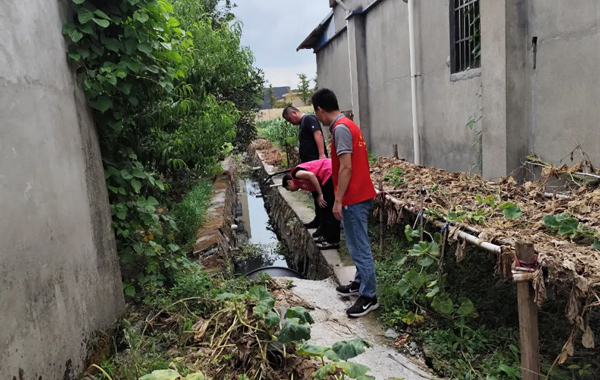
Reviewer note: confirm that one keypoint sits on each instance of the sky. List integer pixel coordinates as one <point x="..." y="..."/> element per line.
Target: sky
<point x="273" y="29"/>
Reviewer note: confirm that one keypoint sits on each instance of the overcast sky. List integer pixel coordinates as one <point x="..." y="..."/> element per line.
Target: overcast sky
<point x="273" y="29"/>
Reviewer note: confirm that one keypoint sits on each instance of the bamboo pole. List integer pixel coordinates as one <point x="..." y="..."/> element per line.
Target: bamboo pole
<point x="396" y="151"/>
<point x="461" y="234"/>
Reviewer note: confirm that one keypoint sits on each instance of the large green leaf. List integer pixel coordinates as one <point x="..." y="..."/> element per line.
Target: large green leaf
<point x="568" y="227"/>
<point x="84" y="15"/>
<point x="71" y="31"/>
<point x="103" y="23"/>
<point x="511" y="210"/>
<point x="102" y="103"/>
<point x="272" y="319"/>
<point x="310" y="350"/>
<point x="419" y="249"/>
<point x="415" y="279"/>
<point x="265" y="303"/>
<point x="293" y="331"/>
<point x="136" y="184"/>
<point x="353" y="370"/>
<point x="403" y="287"/>
<point x="349" y="349"/>
<point x="163" y="374"/>
<point x="101" y="14"/>
<point x="425" y="261"/>
<point x="317" y="351"/>
<point x="443" y="304"/>
<point x="325" y="371"/>
<point x="466" y="308"/>
<point x="551" y="222"/>
<point x="300" y="313"/>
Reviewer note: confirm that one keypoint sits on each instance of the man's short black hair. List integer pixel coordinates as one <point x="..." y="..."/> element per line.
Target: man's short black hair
<point x="284" y="182"/>
<point x="326" y="99"/>
<point x="288" y="110"/>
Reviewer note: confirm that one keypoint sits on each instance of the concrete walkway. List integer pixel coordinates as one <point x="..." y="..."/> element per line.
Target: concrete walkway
<point x="332" y="325"/>
<point x="331" y="322"/>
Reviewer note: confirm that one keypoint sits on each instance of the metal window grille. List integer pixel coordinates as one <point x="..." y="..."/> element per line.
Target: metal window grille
<point x="465" y="36"/>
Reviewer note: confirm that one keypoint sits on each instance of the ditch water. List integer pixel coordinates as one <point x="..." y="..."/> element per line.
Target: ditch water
<point x="260" y="245"/>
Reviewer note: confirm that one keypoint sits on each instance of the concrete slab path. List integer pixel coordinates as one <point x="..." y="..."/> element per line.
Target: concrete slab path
<point x="332" y="325"/>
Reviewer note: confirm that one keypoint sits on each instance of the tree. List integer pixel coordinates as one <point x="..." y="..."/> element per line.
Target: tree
<point x="316" y="80"/>
<point x="304" y="88"/>
<point x="272" y="98"/>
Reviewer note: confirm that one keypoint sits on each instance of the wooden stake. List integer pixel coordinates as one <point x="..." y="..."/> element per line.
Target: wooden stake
<point x="381" y="228"/>
<point x="396" y="151"/>
<point x="528" y="318"/>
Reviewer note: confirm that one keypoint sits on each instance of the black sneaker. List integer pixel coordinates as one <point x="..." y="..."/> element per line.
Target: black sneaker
<point x="313" y="224"/>
<point x="318" y="233"/>
<point x="362" y="306"/>
<point x="348" y="290"/>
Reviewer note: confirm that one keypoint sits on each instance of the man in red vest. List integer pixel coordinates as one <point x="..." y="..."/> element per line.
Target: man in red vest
<point x="354" y="193"/>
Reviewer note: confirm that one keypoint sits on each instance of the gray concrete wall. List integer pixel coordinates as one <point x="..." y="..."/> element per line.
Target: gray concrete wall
<point x="59" y="275"/>
<point x="447" y="104"/>
<point x="565" y="86"/>
<point x="333" y="69"/>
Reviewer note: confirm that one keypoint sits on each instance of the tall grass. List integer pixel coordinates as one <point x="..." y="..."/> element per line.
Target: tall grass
<point x="191" y="211"/>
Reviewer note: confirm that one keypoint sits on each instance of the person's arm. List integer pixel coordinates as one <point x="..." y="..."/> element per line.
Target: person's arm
<point x="308" y="176"/>
<point x="344" y="176"/>
<point x="320" y="141"/>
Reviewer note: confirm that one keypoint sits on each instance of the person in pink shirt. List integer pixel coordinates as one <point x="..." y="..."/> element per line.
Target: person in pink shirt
<point x="316" y="176"/>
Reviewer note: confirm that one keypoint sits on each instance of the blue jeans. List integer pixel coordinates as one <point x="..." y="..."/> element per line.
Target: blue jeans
<point x="355" y="219"/>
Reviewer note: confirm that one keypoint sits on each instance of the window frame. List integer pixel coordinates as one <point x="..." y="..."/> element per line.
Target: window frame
<point x="460" y="37"/>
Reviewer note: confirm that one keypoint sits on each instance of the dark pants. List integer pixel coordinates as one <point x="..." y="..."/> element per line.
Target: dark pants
<point x="315" y="196"/>
<point x="329" y="224"/>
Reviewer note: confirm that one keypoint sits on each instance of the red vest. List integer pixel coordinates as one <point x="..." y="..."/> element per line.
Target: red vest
<point x="360" y="188"/>
<point x="320" y="168"/>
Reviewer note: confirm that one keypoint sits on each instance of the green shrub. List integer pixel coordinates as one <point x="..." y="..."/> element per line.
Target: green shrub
<point x="190" y="212"/>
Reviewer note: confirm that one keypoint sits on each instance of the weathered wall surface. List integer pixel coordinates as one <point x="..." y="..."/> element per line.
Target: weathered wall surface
<point x="333" y="69"/>
<point x="447" y="103"/>
<point x="59" y="273"/>
<point x="565" y="84"/>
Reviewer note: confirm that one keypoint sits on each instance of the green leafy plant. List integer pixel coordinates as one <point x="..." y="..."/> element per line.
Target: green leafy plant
<point x="279" y="132"/>
<point x="338" y="355"/>
<point x="170" y="85"/>
<point x="565" y="224"/>
<point x="509" y="209"/>
<point x="395" y="176"/>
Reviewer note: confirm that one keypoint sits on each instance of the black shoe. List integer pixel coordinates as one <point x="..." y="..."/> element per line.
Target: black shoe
<point x="318" y="233"/>
<point x="362" y="306"/>
<point x="313" y="224"/>
<point x="348" y="290"/>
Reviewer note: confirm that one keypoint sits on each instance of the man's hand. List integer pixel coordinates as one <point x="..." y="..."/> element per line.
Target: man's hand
<point x="322" y="156"/>
<point x="337" y="210"/>
<point x="321" y="201"/>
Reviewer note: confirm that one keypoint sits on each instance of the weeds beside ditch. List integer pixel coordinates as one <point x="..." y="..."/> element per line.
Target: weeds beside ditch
<point x="481" y="341"/>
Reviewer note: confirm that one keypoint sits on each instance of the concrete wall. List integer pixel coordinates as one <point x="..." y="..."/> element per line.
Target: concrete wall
<point x="548" y="110"/>
<point x="333" y="69"/>
<point x="565" y="86"/>
<point x="59" y="275"/>
<point x="447" y="104"/>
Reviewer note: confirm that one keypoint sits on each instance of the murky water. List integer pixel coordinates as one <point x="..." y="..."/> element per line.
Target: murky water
<point x="256" y="228"/>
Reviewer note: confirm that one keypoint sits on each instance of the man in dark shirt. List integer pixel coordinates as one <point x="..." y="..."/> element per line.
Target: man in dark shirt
<point x="311" y="144"/>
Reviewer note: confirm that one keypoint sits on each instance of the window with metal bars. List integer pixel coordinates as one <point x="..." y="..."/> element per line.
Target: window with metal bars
<point x="465" y="36"/>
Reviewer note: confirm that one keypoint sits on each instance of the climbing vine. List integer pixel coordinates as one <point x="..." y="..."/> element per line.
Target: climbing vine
<point x="169" y="84"/>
